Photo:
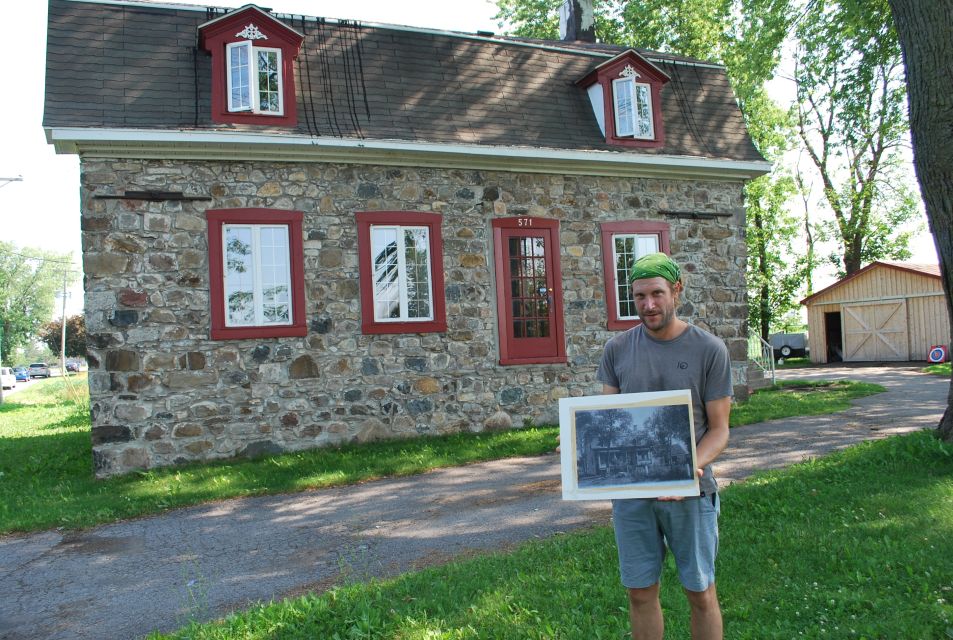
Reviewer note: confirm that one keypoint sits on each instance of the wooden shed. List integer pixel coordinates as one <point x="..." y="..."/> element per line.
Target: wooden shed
<point x="887" y="311"/>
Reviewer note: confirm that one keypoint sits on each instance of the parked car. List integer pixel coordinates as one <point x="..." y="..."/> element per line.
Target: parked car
<point x="22" y="374"/>
<point x="7" y="379"/>
<point x="72" y="366"/>
<point x="39" y="369"/>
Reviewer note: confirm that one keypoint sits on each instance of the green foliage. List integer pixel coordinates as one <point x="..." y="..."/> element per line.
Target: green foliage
<point x="852" y="120"/>
<point x="773" y="279"/>
<point x="848" y="546"/>
<point x="52" y="334"/>
<point x="28" y="287"/>
<point x="943" y="369"/>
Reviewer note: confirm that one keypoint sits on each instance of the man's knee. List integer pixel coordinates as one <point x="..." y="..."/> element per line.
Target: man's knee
<point x="643" y="596"/>
<point x="703" y="600"/>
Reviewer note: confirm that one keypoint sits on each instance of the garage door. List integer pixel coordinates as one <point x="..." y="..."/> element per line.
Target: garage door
<point x="876" y="331"/>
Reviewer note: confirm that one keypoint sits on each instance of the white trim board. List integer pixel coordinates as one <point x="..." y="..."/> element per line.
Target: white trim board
<point x="228" y="145"/>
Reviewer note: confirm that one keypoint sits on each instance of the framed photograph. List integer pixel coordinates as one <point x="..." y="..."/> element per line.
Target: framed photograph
<point x="628" y="445"/>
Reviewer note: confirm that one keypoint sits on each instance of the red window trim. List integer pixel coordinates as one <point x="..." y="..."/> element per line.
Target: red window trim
<point x="217" y="218"/>
<point x="214" y="36"/>
<point x="502" y="313"/>
<point x="613" y="322"/>
<point x="648" y="74"/>
<point x="433" y="221"/>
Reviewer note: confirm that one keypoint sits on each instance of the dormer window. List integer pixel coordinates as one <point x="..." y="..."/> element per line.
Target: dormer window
<point x="252" y="68"/>
<point x="633" y="108"/>
<point x="626" y="100"/>
<point x="254" y="78"/>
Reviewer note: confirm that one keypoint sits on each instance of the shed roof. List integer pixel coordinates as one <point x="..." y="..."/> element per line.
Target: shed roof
<point x="135" y="65"/>
<point x="931" y="270"/>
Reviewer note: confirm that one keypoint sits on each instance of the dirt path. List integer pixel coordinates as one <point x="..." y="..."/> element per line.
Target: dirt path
<point x="127" y="579"/>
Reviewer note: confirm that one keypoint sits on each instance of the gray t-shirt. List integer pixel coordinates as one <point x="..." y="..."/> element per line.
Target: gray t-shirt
<point x="635" y="362"/>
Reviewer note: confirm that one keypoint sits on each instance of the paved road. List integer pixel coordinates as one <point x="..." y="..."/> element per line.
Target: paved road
<point x="127" y="579"/>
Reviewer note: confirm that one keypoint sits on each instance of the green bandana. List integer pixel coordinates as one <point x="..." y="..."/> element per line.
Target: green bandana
<point x="655" y="265"/>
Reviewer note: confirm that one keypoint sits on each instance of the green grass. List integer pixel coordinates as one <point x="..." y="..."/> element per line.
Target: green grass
<point x="46" y="475"/>
<point x="794" y="363"/>
<point x="942" y="369"/>
<point x="854" y="545"/>
<point x="791" y="398"/>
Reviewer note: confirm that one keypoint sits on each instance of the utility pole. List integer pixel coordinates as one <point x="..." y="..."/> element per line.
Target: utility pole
<point x="63" y="330"/>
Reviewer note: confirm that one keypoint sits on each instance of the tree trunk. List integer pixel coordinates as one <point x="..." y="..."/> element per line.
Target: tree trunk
<point x="925" y="28"/>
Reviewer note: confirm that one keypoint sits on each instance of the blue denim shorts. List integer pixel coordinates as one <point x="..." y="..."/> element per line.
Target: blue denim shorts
<point x="645" y="527"/>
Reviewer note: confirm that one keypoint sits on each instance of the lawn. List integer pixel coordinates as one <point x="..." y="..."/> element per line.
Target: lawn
<point x="854" y="545"/>
<point x="46" y="475"/>
<point x="942" y="369"/>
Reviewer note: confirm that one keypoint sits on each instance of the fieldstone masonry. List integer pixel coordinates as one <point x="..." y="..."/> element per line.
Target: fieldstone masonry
<point x="162" y="392"/>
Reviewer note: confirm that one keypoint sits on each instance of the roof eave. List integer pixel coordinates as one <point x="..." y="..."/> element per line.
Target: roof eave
<point x="211" y="145"/>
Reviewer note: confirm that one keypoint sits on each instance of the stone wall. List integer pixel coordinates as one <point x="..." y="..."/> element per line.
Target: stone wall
<point x="162" y="392"/>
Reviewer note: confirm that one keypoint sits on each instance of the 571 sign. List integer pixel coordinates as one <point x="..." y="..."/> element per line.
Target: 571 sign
<point x="524" y="222"/>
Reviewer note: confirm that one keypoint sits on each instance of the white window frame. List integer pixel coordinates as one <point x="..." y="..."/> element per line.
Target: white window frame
<point x="252" y="78"/>
<point x="628" y="88"/>
<point x="257" y="286"/>
<point x="402" y="273"/>
<point x="615" y="261"/>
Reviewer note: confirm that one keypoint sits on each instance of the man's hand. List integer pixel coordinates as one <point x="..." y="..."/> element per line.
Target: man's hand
<point x="700" y="473"/>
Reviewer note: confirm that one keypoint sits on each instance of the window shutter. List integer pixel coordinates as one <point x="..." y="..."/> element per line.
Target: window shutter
<point x="623" y="98"/>
<point x="240" y="71"/>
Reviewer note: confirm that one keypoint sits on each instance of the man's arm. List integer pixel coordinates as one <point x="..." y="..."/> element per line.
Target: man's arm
<point x="716" y="438"/>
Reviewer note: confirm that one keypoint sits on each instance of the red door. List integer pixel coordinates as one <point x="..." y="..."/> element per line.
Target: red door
<point x="529" y="290"/>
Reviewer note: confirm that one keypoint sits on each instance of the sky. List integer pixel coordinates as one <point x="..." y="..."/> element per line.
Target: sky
<point x="42" y="210"/>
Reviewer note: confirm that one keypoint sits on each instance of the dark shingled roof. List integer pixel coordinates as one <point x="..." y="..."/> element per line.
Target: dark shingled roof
<point x="137" y="66"/>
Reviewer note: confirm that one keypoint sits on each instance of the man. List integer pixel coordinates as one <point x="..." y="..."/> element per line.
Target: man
<point x="666" y="353"/>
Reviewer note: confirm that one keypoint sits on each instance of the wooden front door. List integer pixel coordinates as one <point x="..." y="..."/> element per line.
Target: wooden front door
<point x="876" y="331"/>
<point x="529" y="290"/>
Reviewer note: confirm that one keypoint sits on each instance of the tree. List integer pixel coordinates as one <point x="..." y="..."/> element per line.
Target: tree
<point x="926" y="36"/>
<point x="851" y="121"/>
<point x="29" y="281"/>
<point x="52" y="332"/>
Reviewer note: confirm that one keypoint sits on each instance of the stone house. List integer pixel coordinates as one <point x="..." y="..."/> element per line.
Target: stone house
<point x="301" y="232"/>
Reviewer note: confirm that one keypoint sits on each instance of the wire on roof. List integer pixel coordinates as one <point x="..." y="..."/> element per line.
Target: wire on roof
<point x="308" y="100"/>
<point x="329" y="110"/>
<point x="679" y="92"/>
<point x="360" y="62"/>
<point x="350" y="68"/>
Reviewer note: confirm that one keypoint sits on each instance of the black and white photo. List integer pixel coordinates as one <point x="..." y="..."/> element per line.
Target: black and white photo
<point x="628" y="445"/>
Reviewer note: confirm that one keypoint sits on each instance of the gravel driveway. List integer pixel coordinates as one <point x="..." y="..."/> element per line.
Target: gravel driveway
<point x="124" y="580"/>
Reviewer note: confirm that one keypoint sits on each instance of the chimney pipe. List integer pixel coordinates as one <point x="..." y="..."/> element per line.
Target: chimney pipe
<point x="577" y="21"/>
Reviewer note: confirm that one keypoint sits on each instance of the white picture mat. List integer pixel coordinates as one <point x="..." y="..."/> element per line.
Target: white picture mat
<point x="568" y="446"/>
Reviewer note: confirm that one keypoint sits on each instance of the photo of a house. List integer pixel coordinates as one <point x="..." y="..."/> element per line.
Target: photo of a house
<point x="633" y="445"/>
<point x="628" y="445"/>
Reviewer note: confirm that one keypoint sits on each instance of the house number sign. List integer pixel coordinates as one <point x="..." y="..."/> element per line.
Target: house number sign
<point x="524" y="222"/>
